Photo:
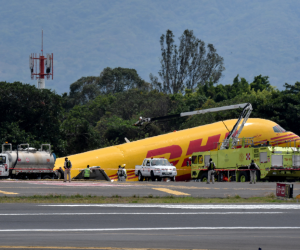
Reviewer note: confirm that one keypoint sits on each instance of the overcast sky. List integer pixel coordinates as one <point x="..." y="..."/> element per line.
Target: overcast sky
<point x="254" y="37"/>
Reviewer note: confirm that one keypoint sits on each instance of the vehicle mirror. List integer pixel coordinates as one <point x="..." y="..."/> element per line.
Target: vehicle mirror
<point x="187" y="163"/>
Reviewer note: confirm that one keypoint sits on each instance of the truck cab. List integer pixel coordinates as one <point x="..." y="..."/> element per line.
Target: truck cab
<point x="4" y="165"/>
<point x="200" y="161"/>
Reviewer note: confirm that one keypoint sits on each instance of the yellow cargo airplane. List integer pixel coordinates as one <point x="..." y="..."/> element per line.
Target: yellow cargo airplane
<point x="177" y="147"/>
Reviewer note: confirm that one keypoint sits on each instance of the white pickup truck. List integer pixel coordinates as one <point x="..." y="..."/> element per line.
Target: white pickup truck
<point x="155" y="168"/>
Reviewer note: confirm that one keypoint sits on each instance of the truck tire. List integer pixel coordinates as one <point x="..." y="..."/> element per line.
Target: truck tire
<point x="140" y="176"/>
<point x="204" y="177"/>
<point x="243" y="176"/>
<point x="46" y="177"/>
<point x="172" y="178"/>
<point x="152" y="176"/>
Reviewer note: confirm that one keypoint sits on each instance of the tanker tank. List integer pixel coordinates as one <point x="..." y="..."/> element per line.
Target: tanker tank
<point x="27" y="162"/>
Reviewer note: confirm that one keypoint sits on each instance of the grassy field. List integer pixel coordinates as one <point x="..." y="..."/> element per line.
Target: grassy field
<point x="136" y="199"/>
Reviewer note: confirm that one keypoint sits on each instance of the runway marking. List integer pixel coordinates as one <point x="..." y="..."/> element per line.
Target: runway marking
<point x="110" y="248"/>
<point x="146" y="229"/>
<point x="43" y="214"/>
<point x="183" y="206"/>
<point x="74" y="183"/>
<point x="49" y="247"/>
<point x="4" y="192"/>
<point x="77" y="184"/>
<point x="169" y="191"/>
<point x="206" y="188"/>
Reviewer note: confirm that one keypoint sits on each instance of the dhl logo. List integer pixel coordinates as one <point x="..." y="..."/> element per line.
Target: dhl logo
<point x="175" y="151"/>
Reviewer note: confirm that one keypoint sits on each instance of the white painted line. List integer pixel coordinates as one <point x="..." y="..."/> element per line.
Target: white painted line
<point x="146" y="229"/>
<point x="210" y="206"/>
<point x="56" y="214"/>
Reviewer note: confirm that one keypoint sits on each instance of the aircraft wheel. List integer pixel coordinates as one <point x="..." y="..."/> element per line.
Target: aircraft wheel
<point x="243" y="176"/>
<point x="140" y="176"/>
<point x="152" y="176"/>
<point x="204" y="177"/>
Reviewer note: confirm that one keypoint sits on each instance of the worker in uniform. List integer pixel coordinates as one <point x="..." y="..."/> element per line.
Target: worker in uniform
<point x="87" y="172"/>
<point x="253" y="168"/>
<point x="125" y="171"/>
<point x="122" y="175"/>
<point x="67" y="166"/>
<point x="211" y="171"/>
<point x="119" y="173"/>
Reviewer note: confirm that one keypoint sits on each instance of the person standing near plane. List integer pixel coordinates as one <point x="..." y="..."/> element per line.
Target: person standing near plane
<point x="253" y="168"/>
<point x="211" y="172"/>
<point x="125" y="171"/>
<point x="67" y="166"/>
<point x="122" y="175"/>
<point x="119" y="172"/>
<point x="87" y="172"/>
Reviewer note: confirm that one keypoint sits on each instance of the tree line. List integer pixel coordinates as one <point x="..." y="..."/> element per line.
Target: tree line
<point x="100" y="111"/>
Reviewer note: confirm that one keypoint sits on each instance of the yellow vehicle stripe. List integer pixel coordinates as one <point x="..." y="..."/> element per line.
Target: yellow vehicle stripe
<point x="169" y="191"/>
<point x="3" y="192"/>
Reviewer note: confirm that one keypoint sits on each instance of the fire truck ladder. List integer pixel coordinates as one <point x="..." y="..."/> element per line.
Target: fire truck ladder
<point x="234" y="133"/>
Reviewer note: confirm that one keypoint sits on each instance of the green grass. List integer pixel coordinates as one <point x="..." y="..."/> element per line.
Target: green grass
<point x="55" y="198"/>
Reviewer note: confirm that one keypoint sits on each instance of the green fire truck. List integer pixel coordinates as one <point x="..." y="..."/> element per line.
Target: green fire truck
<point x="275" y="163"/>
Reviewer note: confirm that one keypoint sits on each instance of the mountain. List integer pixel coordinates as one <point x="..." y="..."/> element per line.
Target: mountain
<point x="254" y="37"/>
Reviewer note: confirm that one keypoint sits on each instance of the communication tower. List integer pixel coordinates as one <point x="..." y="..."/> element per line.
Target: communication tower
<point x="42" y="63"/>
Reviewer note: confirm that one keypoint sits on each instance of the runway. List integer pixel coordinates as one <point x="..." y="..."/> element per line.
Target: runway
<point x="128" y="189"/>
<point x="116" y="226"/>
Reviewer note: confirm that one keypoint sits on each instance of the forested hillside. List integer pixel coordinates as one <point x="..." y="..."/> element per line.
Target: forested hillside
<point x="100" y="111"/>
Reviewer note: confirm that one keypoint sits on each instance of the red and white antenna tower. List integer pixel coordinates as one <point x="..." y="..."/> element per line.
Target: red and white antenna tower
<point x="45" y="63"/>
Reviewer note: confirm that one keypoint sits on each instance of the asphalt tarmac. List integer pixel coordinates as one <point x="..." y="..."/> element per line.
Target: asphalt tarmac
<point x="149" y="226"/>
<point x="127" y="189"/>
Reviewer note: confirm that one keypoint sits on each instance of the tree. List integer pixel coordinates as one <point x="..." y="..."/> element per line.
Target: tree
<point x="120" y="79"/>
<point x="260" y="83"/>
<point x="30" y="115"/>
<point x="78" y="132"/>
<point x="188" y="65"/>
<point x="292" y="89"/>
<point x="83" y="90"/>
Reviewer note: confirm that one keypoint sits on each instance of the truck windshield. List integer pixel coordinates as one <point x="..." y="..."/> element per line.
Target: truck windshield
<point x="161" y="162"/>
<point x="2" y="159"/>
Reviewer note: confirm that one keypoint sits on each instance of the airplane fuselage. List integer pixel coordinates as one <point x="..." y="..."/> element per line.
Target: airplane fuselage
<point x="177" y="147"/>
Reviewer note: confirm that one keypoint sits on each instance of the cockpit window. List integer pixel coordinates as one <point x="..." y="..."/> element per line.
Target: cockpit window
<point x="278" y="129"/>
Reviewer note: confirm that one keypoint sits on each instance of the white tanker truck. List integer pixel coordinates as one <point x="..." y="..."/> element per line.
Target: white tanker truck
<point x="27" y="162"/>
